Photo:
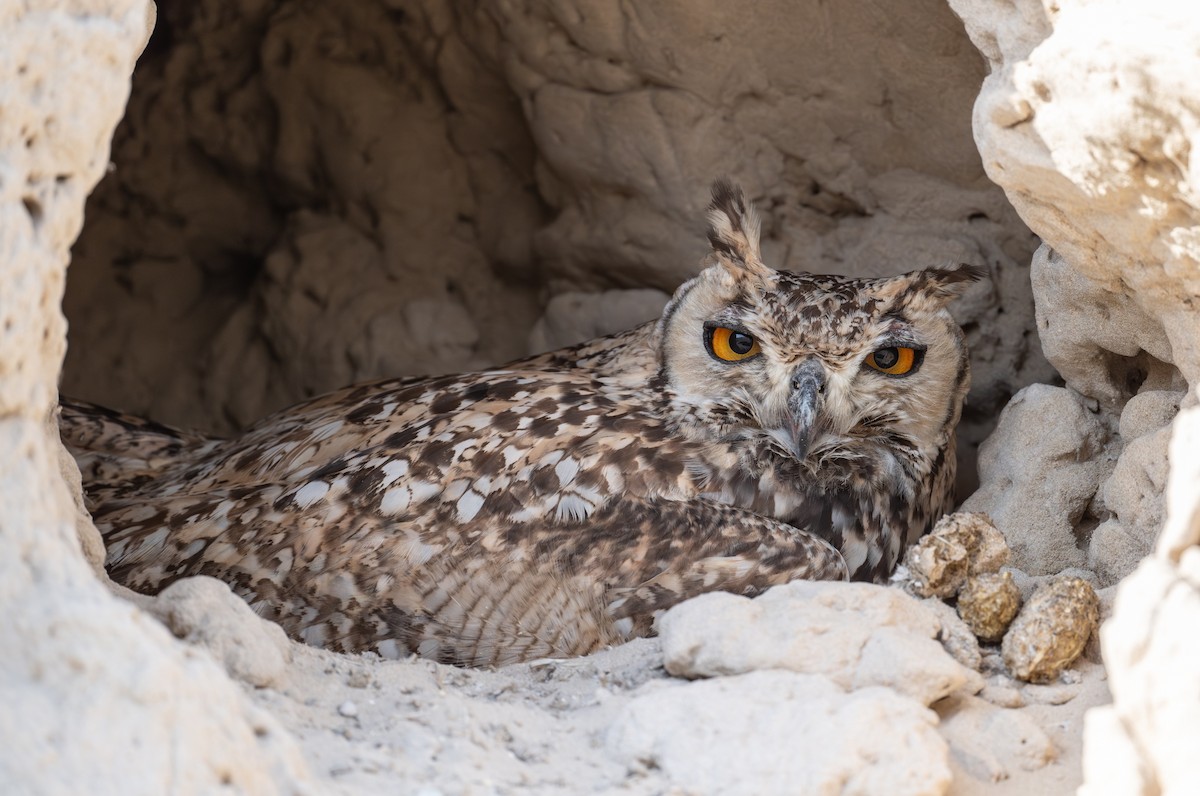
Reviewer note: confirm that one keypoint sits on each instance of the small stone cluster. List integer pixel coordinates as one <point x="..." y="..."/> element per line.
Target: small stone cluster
<point x="963" y="560"/>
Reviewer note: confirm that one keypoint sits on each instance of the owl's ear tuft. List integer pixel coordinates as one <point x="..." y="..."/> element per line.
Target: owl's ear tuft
<point x="733" y="229"/>
<point x="947" y="282"/>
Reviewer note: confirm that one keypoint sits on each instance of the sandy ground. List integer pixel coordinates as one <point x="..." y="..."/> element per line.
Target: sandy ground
<point x="368" y="725"/>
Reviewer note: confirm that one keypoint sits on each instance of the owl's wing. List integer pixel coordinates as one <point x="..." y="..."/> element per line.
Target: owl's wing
<point x="485" y="594"/>
<point x="699" y="546"/>
<point x="116" y="451"/>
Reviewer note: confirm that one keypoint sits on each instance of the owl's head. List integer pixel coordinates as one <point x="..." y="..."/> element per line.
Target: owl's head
<point x="812" y="364"/>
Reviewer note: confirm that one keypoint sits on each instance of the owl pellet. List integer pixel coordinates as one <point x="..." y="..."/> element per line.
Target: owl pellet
<point x="1051" y="630"/>
<point x="987" y="549"/>
<point x="988" y="603"/>
<point x="937" y="565"/>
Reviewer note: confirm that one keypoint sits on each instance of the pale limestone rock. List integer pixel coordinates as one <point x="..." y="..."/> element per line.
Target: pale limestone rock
<point x="1149" y="411"/>
<point x="1111" y="760"/>
<point x="954" y="635"/>
<point x="991" y="742"/>
<point x="1134" y="496"/>
<point x="1111" y="187"/>
<point x="782" y="732"/>
<point x="203" y="611"/>
<point x="98" y="698"/>
<point x="1038" y="472"/>
<point x="1002" y="691"/>
<point x="858" y="635"/>
<point x="1150" y="645"/>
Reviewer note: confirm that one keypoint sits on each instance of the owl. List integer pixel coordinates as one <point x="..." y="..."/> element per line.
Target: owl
<point x="769" y="426"/>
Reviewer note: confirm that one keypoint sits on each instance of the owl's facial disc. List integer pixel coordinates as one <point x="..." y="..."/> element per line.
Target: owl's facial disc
<point x="808" y="387"/>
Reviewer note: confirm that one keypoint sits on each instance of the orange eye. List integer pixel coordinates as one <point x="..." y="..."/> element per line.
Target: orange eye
<point x="894" y="361"/>
<point x="731" y="345"/>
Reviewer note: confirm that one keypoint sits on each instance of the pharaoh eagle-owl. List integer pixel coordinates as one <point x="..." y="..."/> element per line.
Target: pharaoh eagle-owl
<point x="770" y="426"/>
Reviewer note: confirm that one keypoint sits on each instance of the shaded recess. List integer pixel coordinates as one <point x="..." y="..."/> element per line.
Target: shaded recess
<point x="307" y="194"/>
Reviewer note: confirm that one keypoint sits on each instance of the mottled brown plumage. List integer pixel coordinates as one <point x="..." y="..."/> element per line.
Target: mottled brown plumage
<point x="553" y="506"/>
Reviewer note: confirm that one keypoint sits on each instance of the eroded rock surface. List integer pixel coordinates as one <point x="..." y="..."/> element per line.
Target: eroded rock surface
<point x="1111" y="187"/>
<point x="1039" y="472"/>
<point x="783" y="732"/>
<point x="87" y="679"/>
<point x="855" y="634"/>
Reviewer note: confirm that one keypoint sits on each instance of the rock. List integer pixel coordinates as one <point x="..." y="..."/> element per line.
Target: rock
<point x="857" y="634"/>
<point x="1003" y="692"/>
<point x="988" y="603"/>
<point x="1037" y="478"/>
<point x="97" y="696"/>
<point x="571" y="318"/>
<point x="1051" y="630"/>
<point x="990" y="742"/>
<point x="1106" y="188"/>
<point x="203" y="611"/>
<point x="782" y="732"/>
<point x="1112" y="763"/>
<point x="955" y="636"/>
<point x="1151" y="648"/>
<point x="1134" y="496"/>
<point x="1148" y="412"/>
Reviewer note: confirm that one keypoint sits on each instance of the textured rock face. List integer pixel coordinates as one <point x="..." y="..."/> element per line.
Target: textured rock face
<point x="1089" y="122"/>
<point x="782" y="732"/>
<point x="87" y="679"/>
<point x="1039" y="472"/>
<point x="309" y="194"/>
<point x="857" y="635"/>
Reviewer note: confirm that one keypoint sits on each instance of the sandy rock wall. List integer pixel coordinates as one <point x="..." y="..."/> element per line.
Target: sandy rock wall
<point x="86" y="678"/>
<point x="1089" y="121"/>
<point x="307" y="194"/>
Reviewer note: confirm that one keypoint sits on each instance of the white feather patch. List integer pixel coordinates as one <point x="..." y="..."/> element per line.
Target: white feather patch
<point x="469" y="505"/>
<point x="397" y="468"/>
<point x="572" y="507"/>
<point x="566" y="471"/>
<point x="395" y="500"/>
<point x="310" y="493"/>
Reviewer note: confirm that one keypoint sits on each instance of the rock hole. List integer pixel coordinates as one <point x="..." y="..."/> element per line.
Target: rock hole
<point x="1142" y="371"/>
<point x="34" y="208"/>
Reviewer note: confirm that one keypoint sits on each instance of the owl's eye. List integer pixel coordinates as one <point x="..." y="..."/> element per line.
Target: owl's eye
<point x="894" y="360"/>
<point x="731" y="345"/>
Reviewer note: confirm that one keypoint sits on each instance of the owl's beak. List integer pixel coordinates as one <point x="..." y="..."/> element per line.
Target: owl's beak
<point x="808" y="384"/>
